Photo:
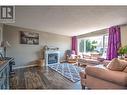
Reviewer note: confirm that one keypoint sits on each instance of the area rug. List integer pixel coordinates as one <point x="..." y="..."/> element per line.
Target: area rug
<point x="69" y="71"/>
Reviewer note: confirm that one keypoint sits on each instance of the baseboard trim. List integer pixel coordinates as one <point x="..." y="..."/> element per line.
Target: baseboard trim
<point x="19" y="67"/>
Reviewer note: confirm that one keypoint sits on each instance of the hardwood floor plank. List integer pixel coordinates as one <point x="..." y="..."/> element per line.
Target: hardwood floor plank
<point x="40" y="78"/>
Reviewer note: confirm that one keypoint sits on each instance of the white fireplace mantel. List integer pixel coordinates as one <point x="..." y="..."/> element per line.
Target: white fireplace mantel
<point x="47" y="52"/>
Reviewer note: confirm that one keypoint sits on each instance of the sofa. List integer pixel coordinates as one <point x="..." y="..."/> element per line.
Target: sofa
<point x="85" y="62"/>
<point x="101" y="77"/>
<point x="92" y="59"/>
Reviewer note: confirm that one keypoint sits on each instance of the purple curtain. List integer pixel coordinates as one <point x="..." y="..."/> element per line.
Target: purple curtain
<point x="74" y="44"/>
<point x="114" y="42"/>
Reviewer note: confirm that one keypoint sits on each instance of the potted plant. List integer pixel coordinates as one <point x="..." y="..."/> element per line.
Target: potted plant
<point x="122" y="51"/>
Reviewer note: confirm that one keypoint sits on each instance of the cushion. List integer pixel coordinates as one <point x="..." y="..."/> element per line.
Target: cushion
<point x="117" y="64"/>
<point x="125" y="70"/>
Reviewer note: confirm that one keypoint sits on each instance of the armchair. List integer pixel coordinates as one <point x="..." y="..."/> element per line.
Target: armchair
<point x="71" y="57"/>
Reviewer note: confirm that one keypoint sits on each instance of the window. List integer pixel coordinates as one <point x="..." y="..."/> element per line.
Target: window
<point x="97" y="44"/>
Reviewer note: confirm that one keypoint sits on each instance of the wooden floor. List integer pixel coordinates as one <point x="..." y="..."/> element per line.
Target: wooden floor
<point x="40" y="78"/>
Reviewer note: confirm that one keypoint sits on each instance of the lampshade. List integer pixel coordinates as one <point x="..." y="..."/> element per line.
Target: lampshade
<point x="5" y="44"/>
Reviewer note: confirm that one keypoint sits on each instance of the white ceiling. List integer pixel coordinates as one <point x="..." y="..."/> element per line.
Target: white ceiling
<point x="70" y="20"/>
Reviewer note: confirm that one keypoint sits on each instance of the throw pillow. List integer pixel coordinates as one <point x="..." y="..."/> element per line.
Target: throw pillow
<point x="117" y="64"/>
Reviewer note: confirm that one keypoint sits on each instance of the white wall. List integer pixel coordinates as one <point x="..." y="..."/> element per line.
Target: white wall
<point x="94" y="33"/>
<point x="103" y="31"/>
<point x="25" y="54"/>
<point x="124" y="35"/>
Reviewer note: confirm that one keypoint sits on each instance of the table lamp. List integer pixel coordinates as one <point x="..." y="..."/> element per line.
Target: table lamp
<point x="5" y="44"/>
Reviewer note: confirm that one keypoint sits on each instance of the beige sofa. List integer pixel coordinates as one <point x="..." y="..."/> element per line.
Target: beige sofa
<point x="99" y="77"/>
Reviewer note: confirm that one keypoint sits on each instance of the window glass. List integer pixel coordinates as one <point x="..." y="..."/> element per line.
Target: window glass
<point x="96" y="44"/>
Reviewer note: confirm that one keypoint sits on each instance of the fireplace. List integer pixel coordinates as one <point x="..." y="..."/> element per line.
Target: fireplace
<point x="52" y="56"/>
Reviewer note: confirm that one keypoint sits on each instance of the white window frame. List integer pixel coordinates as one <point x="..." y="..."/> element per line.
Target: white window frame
<point x="79" y="39"/>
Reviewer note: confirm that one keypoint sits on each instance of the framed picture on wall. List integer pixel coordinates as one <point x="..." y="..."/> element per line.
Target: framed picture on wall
<point x="30" y="38"/>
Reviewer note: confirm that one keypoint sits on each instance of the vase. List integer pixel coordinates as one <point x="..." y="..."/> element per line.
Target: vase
<point x="121" y="57"/>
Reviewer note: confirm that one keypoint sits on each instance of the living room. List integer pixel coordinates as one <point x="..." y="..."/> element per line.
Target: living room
<point x="40" y="36"/>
